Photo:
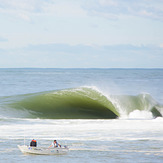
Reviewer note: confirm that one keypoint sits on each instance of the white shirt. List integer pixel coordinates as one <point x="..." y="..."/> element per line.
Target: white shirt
<point x="54" y="144"/>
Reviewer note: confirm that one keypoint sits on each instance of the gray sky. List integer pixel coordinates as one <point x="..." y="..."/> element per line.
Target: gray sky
<point x="81" y="33"/>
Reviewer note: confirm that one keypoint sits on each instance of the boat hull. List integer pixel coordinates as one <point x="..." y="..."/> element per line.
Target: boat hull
<point x="42" y="150"/>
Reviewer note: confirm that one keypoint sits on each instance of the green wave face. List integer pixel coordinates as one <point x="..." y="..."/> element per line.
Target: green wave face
<point x="82" y="103"/>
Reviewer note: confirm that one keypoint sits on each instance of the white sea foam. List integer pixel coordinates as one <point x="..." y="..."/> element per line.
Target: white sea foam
<point x="138" y="114"/>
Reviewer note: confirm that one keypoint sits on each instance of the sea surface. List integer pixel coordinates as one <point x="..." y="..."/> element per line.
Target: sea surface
<point x="102" y="115"/>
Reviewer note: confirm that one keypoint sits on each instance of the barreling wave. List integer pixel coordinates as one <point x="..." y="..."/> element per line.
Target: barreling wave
<point x="80" y="103"/>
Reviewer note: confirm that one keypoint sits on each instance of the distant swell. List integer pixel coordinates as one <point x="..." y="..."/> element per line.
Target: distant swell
<point x="79" y="103"/>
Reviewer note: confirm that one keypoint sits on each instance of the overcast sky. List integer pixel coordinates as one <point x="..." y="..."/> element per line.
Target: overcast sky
<point x="81" y="33"/>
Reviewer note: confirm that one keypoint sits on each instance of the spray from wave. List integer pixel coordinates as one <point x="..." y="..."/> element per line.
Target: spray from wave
<point x="80" y="103"/>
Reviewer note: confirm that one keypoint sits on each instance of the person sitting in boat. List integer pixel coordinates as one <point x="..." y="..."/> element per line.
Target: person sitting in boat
<point x="55" y="144"/>
<point x="33" y="143"/>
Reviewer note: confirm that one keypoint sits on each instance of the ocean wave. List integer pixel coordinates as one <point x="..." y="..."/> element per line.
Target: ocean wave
<point x="79" y="103"/>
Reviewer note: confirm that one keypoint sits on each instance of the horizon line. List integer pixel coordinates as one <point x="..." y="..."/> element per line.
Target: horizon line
<point x="80" y="68"/>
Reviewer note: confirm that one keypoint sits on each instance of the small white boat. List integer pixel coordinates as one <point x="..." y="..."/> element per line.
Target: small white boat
<point x="43" y="150"/>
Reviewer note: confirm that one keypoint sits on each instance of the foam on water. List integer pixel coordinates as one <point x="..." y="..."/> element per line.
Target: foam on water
<point x="118" y="137"/>
<point x="138" y="114"/>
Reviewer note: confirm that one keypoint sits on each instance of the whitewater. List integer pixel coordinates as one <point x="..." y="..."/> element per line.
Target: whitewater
<point x="102" y="115"/>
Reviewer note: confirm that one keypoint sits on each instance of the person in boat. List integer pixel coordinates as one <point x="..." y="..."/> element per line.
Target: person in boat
<point x="33" y="143"/>
<point x="55" y="144"/>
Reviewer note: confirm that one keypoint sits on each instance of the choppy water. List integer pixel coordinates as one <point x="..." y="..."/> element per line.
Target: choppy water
<point x="103" y="115"/>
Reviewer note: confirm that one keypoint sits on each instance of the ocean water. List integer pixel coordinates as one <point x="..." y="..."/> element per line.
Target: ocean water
<point x="102" y="115"/>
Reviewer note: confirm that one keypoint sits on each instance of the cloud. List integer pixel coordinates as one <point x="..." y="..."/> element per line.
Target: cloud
<point x="2" y="39"/>
<point x="23" y="9"/>
<point x="26" y="9"/>
<point x="82" y="56"/>
<point x="25" y="5"/>
<point x="110" y="9"/>
<point x="161" y="45"/>
<point x="114" y="9"/>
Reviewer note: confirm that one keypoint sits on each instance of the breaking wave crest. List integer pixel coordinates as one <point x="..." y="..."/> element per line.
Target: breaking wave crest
<point x="79" y="103"/>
